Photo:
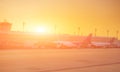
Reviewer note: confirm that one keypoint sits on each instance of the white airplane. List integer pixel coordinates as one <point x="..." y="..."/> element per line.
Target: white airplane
<point x="64" y="44"/>
<point x="76" y="44"/>
<point x="108" y="44"/>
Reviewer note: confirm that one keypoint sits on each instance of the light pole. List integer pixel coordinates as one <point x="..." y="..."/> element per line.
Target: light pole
<point x="78" y="31"/>
<point x="117" y="33"/>
<point x="23" y="26"/>
<point x="108" y="33"/>
<point x="55" y="29"/>
<point x="95" y="32"/>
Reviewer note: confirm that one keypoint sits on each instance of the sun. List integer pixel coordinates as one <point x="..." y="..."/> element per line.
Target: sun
<point x="41" y="29"/>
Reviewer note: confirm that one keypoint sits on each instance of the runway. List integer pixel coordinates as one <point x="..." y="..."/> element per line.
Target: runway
<point x="60" y="60"/>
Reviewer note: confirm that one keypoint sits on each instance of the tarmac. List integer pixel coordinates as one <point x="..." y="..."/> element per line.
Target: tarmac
<point x="60" y="60"/>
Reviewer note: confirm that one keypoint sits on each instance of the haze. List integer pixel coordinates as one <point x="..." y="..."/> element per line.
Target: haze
<point x="67" y="15"/>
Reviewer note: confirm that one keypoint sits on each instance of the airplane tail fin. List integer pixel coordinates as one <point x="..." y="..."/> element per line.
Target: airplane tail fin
<point x="112" y="40"/>
<point x="87" y="40"/>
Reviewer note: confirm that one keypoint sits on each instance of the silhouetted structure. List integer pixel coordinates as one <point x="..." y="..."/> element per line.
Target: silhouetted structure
<point x="5" y="26"/>
<point x="95" y="32"/>
<point x="108" y="33"/>
<point x="23" y="26"/>
<point x="117" y="33"/>
<point x="78" y="31"/>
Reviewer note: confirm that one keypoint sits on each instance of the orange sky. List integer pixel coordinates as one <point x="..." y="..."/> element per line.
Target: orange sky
<point x="67" y="15"/>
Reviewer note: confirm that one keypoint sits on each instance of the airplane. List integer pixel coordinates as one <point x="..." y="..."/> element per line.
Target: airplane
<point x="108" y="44"/>
<point x="74" y="44"/>
<point x="65" y="44"/>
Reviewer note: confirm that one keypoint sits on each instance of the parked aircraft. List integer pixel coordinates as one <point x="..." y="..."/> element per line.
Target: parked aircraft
<point x="109" y="44"/>
<point x="74" y="44"/>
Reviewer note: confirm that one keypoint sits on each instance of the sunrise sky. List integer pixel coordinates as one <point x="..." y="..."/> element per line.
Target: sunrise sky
<point x="66" y="15"/>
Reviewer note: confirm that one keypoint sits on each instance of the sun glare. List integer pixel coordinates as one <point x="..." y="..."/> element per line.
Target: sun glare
<point x="41" y="29"/>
